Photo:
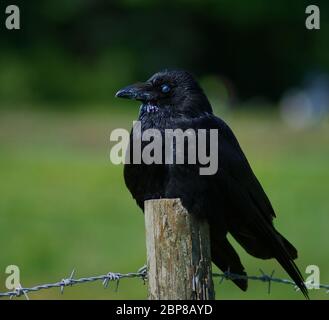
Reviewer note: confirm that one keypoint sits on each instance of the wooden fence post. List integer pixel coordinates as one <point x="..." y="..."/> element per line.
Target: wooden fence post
<point x="178" y="253"/>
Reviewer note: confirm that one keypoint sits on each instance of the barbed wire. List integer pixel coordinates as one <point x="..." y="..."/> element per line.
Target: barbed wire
<point x="268" y="279"/>
<point x="71" y="281"/>
<point x="142" y="274"/>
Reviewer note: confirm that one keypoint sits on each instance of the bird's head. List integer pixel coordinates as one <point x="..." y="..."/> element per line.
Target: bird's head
<point x="174" y="91"/>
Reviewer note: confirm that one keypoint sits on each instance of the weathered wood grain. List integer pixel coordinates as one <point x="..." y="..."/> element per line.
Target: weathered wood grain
<point x="178" y="252"/>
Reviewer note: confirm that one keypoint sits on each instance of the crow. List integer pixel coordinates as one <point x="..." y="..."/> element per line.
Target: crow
<point x="232" y="200"/>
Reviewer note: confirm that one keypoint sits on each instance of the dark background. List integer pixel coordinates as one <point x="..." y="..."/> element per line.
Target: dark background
<point x="77" y="51"/>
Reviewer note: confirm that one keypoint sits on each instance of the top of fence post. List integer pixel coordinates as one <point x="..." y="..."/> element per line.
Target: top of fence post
<point x="178" y="252"/>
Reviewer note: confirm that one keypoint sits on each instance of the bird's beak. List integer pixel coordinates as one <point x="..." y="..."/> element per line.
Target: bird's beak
<point x="138" y="91"/>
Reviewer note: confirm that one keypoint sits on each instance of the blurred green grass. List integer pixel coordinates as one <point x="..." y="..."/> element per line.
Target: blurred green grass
<point x="63" y="205"/>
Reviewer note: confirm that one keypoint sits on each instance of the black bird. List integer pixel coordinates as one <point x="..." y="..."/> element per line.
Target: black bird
<point x="232" y="200"/>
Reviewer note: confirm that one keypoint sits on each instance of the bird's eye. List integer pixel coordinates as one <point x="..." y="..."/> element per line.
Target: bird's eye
<point x="165" y="88"/>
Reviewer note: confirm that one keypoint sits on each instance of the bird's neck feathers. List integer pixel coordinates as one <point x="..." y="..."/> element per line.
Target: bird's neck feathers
<point x="194" y="105"/>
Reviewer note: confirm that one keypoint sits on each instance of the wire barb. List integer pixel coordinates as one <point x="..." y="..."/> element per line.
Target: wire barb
<point x="67" y="282"/>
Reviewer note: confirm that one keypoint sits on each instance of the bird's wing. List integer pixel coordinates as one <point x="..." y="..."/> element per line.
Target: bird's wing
<point x="257" y="233"/>
<point x="234" y="164"/>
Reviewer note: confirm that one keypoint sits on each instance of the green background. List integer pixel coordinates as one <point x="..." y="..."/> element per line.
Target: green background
<point x="64" y="205"/>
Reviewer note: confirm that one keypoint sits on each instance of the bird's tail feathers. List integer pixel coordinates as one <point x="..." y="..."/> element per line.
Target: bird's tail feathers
<point x="249" y="240"/>
<point x="225" y="258"/>
<point x="283" y="252"/>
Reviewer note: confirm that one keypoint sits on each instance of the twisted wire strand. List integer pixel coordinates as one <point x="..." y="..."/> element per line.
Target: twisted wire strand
<point x="142" y="274"/>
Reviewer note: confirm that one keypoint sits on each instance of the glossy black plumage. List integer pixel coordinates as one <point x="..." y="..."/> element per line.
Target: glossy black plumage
<point x="232" y="200"/>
